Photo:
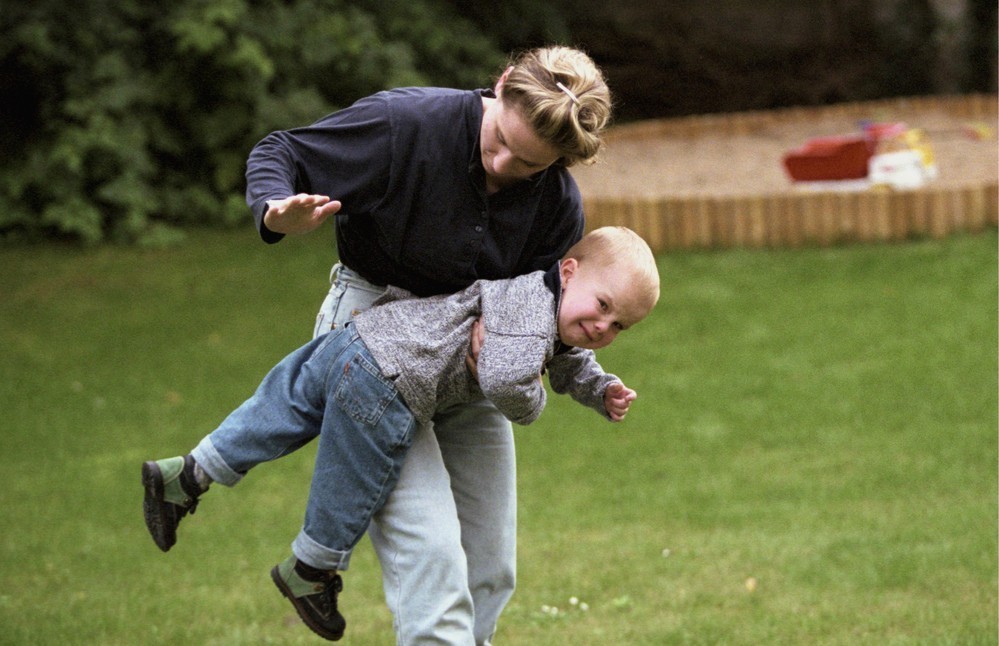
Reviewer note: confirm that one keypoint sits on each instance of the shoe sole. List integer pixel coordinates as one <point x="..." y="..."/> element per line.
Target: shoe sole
<point x="154" y="508"/>
<point x="303" y="615"/>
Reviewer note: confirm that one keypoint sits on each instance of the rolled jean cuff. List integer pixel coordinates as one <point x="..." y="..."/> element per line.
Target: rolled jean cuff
<point x="212" y="463"/>
<point x="319" y="556"/>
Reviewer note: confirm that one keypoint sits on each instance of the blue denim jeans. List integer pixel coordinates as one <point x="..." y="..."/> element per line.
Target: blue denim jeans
<point x="331" y="388"/>
<point x="446" y="537"/>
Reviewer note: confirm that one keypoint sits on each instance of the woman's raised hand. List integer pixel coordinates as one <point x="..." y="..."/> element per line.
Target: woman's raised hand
<point x="299" y="213"/>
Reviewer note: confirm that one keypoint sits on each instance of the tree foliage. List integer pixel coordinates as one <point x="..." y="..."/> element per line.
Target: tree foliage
<point x="128" y="120"/>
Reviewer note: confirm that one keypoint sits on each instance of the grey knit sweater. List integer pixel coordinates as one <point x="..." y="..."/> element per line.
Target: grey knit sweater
<point x="421" y="344"/>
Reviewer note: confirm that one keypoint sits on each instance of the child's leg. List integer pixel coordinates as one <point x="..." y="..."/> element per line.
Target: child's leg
<point x="283" y="414"/>
<point x="366" y="431"/>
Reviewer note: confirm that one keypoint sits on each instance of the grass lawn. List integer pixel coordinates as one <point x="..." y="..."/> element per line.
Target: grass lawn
<point x="812" y="458"/>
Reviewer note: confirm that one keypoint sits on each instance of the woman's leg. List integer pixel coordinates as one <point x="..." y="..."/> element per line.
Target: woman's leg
<point x="447" y="536"/>
<point x="477" y="446"/>
<point x="417" y="538"/>
<point x="417" y="535"/>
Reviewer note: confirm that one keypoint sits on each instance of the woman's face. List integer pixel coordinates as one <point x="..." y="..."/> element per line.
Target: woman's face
<point x="511" y="151"/>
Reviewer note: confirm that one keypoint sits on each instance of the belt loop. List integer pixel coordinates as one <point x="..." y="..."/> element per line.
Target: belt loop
<point x="334" y="272"/>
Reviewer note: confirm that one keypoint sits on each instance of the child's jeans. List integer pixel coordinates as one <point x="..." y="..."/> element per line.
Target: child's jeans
<point x="446" y="538"/>
<point x="331" y="387"/>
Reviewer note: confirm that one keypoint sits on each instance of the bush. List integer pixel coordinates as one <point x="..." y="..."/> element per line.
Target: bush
<point x="133" y="119"/>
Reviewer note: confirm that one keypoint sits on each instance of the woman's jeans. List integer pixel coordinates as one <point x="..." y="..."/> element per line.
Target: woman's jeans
<point x="331" y="387"/>
<point x="446" y="536"/>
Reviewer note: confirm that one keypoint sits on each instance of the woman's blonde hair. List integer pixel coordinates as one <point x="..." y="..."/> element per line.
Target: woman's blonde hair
<point x="563" y="96"/>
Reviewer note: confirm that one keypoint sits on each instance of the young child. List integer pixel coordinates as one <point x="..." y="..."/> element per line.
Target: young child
<point x="363" y="388"/>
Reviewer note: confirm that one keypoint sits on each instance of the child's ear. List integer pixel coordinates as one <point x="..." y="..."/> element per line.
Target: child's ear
<point x="567" y="269"/>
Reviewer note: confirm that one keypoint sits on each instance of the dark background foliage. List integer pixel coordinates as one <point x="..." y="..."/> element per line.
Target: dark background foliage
<point x="129" y="121"/>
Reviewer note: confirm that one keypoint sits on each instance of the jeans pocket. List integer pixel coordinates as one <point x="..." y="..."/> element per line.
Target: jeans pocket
<point x="362" y="392"/>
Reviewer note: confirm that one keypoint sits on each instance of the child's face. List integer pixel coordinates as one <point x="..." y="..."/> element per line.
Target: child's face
<point x="597" y="304"/>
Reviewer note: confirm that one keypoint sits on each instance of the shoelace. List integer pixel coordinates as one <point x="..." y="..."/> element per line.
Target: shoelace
<point x="332" y="587"/>
<point x="191" y="507"/>
<point x="187" y="483"/>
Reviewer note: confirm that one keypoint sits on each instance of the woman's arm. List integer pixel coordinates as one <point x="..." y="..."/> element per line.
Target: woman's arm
<point x="296" y="179"/>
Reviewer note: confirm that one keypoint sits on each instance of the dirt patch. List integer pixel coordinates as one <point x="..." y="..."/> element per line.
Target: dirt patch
<point x="666" y="161"/>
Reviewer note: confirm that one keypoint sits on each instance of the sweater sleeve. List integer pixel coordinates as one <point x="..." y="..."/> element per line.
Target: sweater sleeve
<point x="510" y="375"/>
<point x="578" y="374"/>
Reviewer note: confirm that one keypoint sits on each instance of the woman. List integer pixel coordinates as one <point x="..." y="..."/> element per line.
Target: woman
<point x="433" y="189"/>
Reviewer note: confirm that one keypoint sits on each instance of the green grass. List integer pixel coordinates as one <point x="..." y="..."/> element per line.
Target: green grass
<point x="822" y="422"/>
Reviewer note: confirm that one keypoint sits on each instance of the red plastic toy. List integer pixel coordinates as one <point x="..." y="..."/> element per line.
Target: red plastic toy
<point x="830" y="158"/>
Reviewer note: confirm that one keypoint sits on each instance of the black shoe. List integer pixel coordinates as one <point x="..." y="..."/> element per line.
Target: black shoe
<point x="314" y="600"/>
<point x="171" y="493"/>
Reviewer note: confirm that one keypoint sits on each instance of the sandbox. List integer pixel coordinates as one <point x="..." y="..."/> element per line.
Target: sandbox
<point x="717" y="181"/>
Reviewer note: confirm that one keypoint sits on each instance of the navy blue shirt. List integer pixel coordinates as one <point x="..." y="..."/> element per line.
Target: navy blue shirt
<point x="407" y="168"/>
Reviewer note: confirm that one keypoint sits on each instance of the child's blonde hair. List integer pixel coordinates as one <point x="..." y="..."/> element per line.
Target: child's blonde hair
<point x="563" y="97"/>
<point x="620" y="249"/>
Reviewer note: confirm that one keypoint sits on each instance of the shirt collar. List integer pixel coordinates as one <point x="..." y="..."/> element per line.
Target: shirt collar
<point x="475" y="161"/>
<point x="553" y="281"/>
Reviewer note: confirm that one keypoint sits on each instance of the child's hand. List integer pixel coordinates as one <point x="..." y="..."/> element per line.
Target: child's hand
<point x="617" y="400"/>
<point x="299" y="213"/>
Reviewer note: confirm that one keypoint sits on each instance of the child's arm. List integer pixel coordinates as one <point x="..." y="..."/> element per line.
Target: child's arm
<point x="509" y="374"/>
<point x="578" y="374"/>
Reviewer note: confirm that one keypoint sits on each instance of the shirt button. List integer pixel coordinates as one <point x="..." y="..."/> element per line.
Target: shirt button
<point x="478" y="228"/>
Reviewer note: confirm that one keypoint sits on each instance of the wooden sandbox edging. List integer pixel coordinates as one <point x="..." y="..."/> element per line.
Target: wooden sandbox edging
<point x="801" y="218"/>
